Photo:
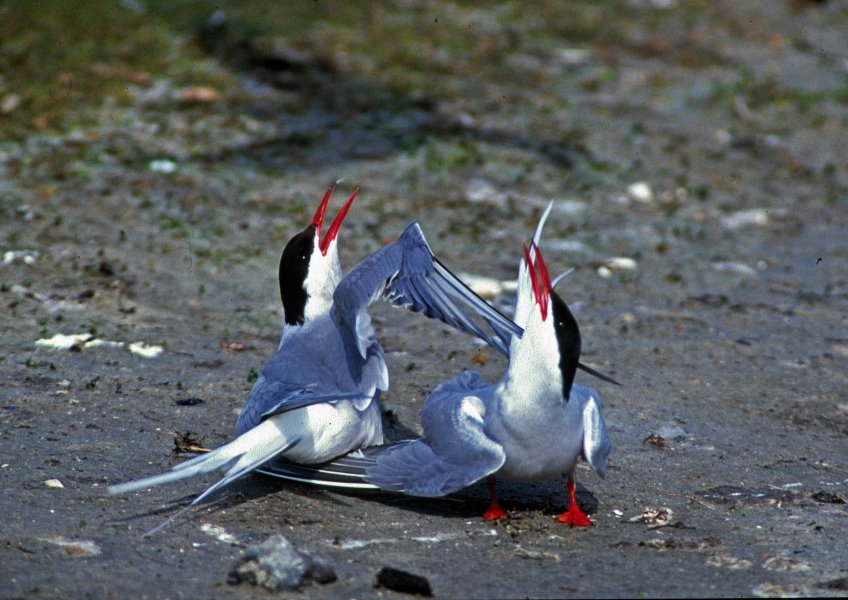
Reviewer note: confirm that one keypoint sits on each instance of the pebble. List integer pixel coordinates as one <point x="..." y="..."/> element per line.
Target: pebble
<point x="402" y="581"/>
<point x="785" y="563"/>
<point x="640" y="191"/>
<point x="488" y="287"/>
<point x="616" y="263"/>
<point x="9" y="103"/>
<point x="26" y="256"/>
<point x="742" y="218"/>
<point x="734" y="267"/>
<point x="654" y="517"/>
<point x="727" y="561"/>
<point x="276" y="564"/>
<point x="162" y="166"/>
<point x="75" y="548"/>
<point x="54" y="483"/>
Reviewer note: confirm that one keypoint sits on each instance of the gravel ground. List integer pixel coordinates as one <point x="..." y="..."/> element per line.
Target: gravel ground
<point x="154" y="162"/>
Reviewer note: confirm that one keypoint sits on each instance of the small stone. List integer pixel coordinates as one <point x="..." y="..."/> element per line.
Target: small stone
<point x="727" y="561"/>
<point x="640" y="192"/>
<point x="276" y="564"/>
<point x="835" y="584"/>
<point x="773" y="590"/>
<point x="200" y="94"/>
<point x="657" y="441"/>
<point x="54" y="483"/>
<point x="654" y="517"/>
<point x="189" y="402"/>
<point x="402" y="581"/>
<point x="162" y="166"/>
<point x="9" y="103"/>
<point x="674" y="433"/>
<point x="827" y="498"/>
<point x="785" y="563"/>
<point x="618" y="263"/>
<point x="488" y="287"/>
<point x="743" y="218"/>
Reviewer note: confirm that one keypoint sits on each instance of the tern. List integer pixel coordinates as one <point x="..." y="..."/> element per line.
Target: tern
<point x="318" y="397"/>
<point x="533" y="425"/>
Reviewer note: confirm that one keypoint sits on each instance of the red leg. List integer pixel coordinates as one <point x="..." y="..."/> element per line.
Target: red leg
<point x="495" y="511"/>
<point x="574" y="516"/>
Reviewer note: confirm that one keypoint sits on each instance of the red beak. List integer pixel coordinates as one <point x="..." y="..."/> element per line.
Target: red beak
<point x="542" y="290"/>
<point x="318" y="221"/>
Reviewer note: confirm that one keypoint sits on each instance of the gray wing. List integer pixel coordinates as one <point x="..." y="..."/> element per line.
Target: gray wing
<point x="346" y="471"/>
<point x="455" y="451"/>
<point x="406" y="273"/>
<point x="272" y="397"/>
<point x="596" y="439"/>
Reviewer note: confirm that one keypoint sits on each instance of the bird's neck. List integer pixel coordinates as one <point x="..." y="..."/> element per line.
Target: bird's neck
<point x="533" y="378"/>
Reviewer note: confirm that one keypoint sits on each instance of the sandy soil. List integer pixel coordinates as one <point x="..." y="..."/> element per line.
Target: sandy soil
<point x="153" y="169"/>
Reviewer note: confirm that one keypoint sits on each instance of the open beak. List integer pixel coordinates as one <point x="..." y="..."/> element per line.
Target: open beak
<point x="541" y="289"/>
<point x="318" y="221"/>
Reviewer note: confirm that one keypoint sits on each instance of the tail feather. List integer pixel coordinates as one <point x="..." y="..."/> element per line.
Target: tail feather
<point x="242" y="455"/>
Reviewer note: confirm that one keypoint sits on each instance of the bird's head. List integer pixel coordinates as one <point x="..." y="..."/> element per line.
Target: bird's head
<point x="310" y="268"/>
<point x="551" y="335"/>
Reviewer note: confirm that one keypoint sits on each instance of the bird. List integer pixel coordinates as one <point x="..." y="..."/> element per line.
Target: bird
<point x="319" y="396"/>
<point x="533" y="425"/>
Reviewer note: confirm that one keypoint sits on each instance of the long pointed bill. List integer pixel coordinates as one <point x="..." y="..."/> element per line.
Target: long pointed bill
<point x="337" y="224"/>
<point x="539" y="292"/>
<point x="318" y="221"/>
<point x="546" y="282"/>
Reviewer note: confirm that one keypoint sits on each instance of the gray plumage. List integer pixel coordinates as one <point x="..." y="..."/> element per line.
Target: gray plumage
<point x="318" y="397"/>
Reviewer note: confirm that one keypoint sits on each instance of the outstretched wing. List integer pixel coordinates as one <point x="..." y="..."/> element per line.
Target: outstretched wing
<point x="456" y="452"/>
<point x="406" y="273"/>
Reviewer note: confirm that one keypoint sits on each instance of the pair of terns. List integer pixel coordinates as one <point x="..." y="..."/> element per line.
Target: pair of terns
<point x="318" y="398"/>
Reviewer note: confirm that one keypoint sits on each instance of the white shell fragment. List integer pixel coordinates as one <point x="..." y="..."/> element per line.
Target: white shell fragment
<point x="26" y="256"/>
<point x="735" y="267"/>
<point x="219" y="533"/>
<point x="616" y="263"/>
<point x="640" y="192"/>
<point x="64" y="342"/>
<point x="620" y="262"/>
<point x="54" y="483"/>
<point x="742" y="218"/>
<point x="162" y="166"/>
<point x="654" y="517"/>
<point x="144" y="350"/>
<point x="488" y="287"/>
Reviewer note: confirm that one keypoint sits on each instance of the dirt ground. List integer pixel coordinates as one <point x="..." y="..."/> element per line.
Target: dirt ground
<point x="154" y="159"/>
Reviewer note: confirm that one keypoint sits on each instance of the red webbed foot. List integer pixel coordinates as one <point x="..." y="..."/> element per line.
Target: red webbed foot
<point x="574" y="516"/>
<point x="495" y="511"/>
